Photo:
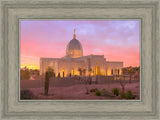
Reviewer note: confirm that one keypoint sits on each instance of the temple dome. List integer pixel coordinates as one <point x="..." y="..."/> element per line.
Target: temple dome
<point x="74" y="48"/>
<point x="74" y="44"/>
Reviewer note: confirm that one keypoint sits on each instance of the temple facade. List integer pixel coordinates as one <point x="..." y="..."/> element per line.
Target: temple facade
<point x="74" y="63"/>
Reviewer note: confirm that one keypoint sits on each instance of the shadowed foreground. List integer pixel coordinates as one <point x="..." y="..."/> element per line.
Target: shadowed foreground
<point x="78" y="92"/>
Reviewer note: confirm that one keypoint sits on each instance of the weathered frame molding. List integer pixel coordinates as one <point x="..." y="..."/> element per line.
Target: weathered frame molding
<point x="145" y="11"/>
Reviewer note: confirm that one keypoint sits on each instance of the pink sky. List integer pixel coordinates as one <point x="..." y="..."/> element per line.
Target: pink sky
<point x="116" y="40"/>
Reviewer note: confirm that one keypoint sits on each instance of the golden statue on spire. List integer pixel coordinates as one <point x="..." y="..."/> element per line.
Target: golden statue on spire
<point x="74" y="35"/>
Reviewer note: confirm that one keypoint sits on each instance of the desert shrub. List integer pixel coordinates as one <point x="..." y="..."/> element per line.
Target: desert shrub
<point x="107" y="94"/>
<point x="103" y="91"/>
<point x="115" y="91"/>
<point x="122" y="94"/>
<point x="129" y="95"/>
<point x="98" y="93"/>
<point x="26" y="94"/>
<point x="93" y="90"/>
<point x="96" y="89"/>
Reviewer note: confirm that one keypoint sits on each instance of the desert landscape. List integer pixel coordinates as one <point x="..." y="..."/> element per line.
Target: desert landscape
<point x="78" y="92"/>
<point x="73" y="88"/>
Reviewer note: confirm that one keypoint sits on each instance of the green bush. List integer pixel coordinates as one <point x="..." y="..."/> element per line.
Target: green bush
<point x="98" y="93"/>
<point x="129" y="95"/>
<point x="103" y="91"/>
<point x="122" y="94"/>
<point x="115" y="91"/>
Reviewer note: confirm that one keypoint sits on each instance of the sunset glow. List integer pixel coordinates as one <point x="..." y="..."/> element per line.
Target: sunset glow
<point x="116" y="40"/>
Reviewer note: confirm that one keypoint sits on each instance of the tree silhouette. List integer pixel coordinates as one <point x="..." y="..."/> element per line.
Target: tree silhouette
<point x="130" y="71"/>
<point x="25" y="74"/>
<point x="122" y="82"/>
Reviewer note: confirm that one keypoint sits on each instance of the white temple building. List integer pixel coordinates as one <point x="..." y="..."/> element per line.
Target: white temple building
<point x="74" y="62"/>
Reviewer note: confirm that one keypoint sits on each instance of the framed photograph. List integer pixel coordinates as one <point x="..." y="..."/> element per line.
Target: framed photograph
<point x="81" y="71"/>
<point x="80" y="59"/>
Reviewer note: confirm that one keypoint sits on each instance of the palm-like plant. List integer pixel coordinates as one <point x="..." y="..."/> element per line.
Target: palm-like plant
<point x="51" y="72"/>
<point x="80" y="71"/>
<point x="84" y="72"/>
<point x="59" y="75"/>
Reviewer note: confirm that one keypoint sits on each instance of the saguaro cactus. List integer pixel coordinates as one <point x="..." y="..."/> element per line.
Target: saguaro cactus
<point x="49" y="73"/>
<point x="46" y="83"/>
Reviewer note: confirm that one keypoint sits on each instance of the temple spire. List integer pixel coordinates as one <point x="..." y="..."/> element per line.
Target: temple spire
<point x="74" y="35"/>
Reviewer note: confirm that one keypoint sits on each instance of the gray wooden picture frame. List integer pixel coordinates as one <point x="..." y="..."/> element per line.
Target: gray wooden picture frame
<point x="12" y="11"/>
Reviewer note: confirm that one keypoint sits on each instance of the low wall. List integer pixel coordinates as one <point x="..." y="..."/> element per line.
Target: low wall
<point x="57" y="82"/>
<point x="64" y="82"/>
<point x="30" y="83"/>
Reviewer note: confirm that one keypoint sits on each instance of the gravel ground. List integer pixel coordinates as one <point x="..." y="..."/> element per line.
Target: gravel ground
<point x="78" y="92"/>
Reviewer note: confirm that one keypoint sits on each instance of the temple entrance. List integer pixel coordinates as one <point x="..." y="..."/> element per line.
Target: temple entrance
<point x="97" y="70"/>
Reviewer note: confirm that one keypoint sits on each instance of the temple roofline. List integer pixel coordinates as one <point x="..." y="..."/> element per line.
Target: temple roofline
<point x="49" y="58"/>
